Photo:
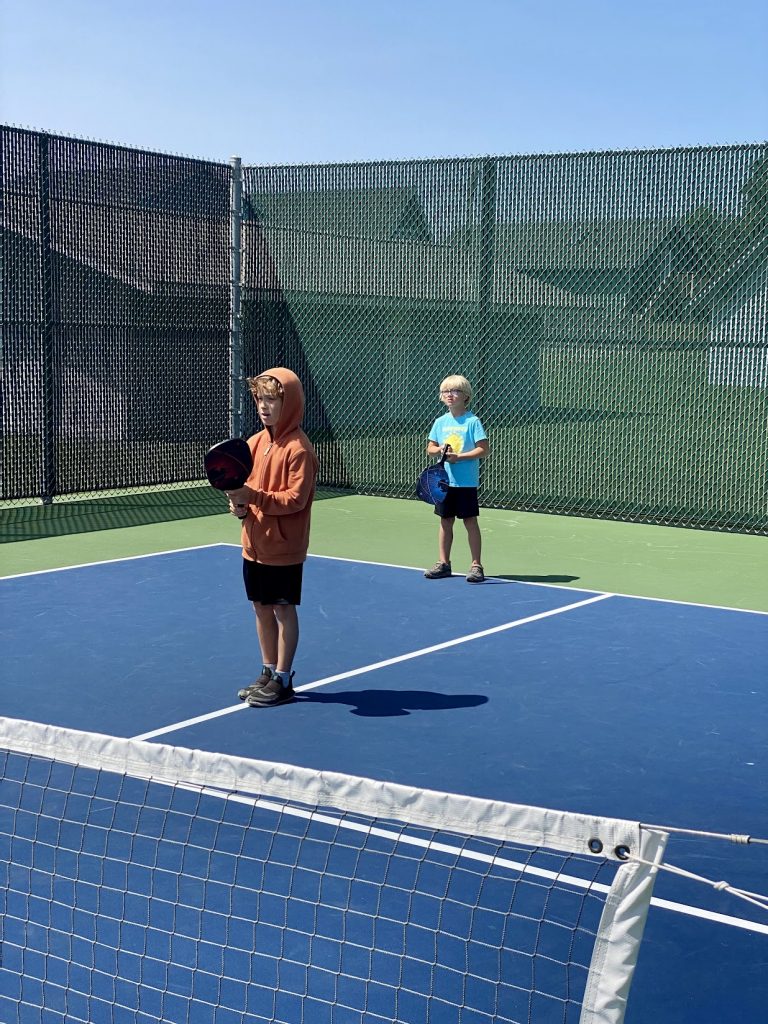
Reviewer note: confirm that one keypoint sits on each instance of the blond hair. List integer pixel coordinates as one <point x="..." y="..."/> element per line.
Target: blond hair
<point x="266" y="386"/>
<point x="455" y="380"/>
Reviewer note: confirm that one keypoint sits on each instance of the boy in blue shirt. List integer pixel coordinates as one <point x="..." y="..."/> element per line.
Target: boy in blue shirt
<point x="461" y="435"/>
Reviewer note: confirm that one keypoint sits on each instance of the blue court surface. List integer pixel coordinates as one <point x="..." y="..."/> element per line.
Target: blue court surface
<point x="598" y="703"/>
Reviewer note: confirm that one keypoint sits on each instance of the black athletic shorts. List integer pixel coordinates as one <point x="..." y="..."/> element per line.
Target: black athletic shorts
<point x="459" y="502"/>
<point x="272" y="584"/>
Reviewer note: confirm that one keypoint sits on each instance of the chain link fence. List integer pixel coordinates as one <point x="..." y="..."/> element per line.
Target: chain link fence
<point x="610" y="309"/>
<point x="115" y="292"/>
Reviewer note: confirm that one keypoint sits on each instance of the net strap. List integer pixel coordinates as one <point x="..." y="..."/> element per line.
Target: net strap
<point x="533" y="826"/>
<point x="619" y="935"/>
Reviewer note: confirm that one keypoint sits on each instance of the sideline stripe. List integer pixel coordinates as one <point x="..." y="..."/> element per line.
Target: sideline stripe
<point x="710" y="915"/>
<point x="523" y="867"/>
<point x="382" y="664"/>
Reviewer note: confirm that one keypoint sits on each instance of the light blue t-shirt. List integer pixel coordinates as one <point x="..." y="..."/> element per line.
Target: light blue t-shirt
<point x="462" y="433"/>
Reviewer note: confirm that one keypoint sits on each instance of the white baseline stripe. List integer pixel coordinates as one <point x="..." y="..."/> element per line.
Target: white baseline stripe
<point x="557" y="586"/>
<point x="382" y="664"/>
<point x="112" y="561"/>
<point x="392" y="565"/>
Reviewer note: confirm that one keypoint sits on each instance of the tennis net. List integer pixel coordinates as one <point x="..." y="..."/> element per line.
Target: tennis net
<point x="141" y="882"/>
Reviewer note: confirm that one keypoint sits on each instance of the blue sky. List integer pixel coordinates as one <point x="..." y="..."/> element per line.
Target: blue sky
<point x="305" y="81"/>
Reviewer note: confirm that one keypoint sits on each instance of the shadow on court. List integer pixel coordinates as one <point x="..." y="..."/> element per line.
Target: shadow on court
<point x="115" y="512"/>
<point x="534" y="579"/>
<point x="391" y="703"/>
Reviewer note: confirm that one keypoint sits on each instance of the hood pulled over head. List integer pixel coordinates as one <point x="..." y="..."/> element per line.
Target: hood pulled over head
<point x="292" y="412"/>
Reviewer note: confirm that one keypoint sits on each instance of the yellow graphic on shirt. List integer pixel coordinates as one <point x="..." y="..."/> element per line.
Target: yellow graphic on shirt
<point x="456" y="441"/>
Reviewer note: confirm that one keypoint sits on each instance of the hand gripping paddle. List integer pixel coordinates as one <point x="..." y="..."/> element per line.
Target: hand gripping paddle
<point x="432" y="485"/>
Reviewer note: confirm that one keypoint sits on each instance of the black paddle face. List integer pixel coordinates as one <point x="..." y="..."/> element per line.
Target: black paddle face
<point x="228" y="464"/>
<point x="432" y="485"/>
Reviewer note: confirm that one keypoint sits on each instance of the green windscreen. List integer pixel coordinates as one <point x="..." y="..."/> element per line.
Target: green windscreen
<point x="609" y="309"/>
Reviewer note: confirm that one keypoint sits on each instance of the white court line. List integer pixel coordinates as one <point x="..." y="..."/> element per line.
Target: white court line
<point x="114" y="561"/>
<point x="553" y="586"/>
<point x="391" y="565"/>
<point x="382" y="664"/>
<point x="655" y="901"/>
<point x="430" y="844"/>
<point x="710" y="915"/>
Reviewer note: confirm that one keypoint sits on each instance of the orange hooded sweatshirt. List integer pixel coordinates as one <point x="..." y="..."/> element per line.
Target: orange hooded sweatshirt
<point x="276" y="529"/>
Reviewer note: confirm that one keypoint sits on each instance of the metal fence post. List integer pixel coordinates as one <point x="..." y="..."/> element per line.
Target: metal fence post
<point x="486" y="267"/>
<point x="235" y="299"/>
<point x="48" y="482"/>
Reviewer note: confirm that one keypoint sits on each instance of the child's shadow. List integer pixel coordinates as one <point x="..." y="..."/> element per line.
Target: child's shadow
<point x="389" y="703"/>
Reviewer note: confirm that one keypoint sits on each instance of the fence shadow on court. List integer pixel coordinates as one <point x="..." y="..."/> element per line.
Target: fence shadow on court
<point x="115" y="512"/>
<point x="393" y="703"/>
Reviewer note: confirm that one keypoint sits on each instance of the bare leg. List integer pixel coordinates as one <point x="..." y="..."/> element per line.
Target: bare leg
<point x="267" y="632"/>
<point x="445" y="538"/>
<point x="473" y="536"/>
<point x="288" y="635"/>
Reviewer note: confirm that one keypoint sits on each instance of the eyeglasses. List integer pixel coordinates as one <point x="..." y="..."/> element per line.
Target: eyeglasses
<point x="452" y="391"/>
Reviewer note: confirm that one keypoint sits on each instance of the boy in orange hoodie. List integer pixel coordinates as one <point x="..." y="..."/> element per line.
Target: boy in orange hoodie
<point x="274" y="505"/>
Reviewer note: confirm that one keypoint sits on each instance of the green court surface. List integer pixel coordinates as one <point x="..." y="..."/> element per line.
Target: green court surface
<point x="699" y="566"/>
